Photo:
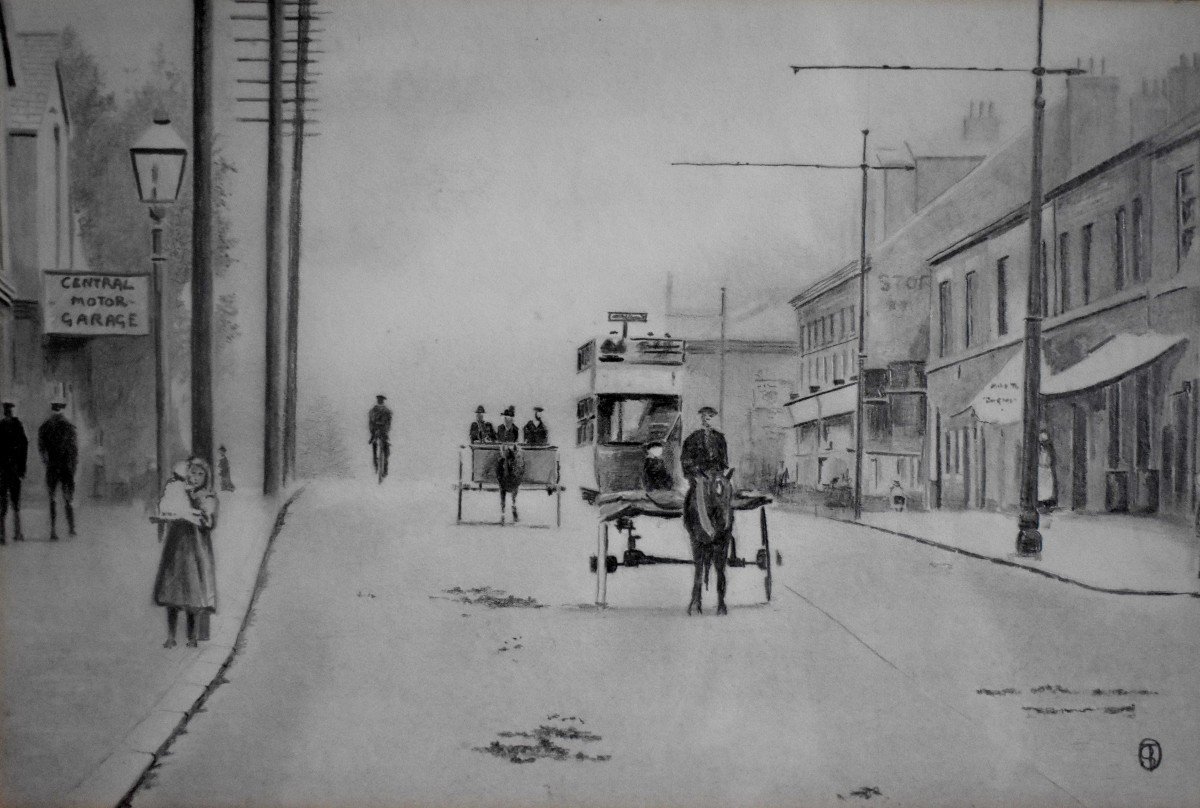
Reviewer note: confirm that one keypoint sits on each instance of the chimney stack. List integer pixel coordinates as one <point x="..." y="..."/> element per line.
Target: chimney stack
<point x="981" y="125"/>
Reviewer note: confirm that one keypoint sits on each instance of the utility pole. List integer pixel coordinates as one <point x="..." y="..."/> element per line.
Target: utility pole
<point x="292" y="335"/>
<point x="271" y="400"/>
<point x="860" y="391"/>
<point x="278" y="391"/>
<point x="202" y="274"/>
<point x="1029" y="538"/>
<point x="721" y="391"/>
<point x="864" y="167"/>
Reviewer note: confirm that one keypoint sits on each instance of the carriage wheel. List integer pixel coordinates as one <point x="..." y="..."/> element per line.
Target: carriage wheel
<point x="765" y="552"/>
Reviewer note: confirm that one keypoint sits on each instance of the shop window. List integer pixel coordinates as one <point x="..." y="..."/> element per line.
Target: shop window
<point x="1142" y="421"/>
<point x="944" y="315"/>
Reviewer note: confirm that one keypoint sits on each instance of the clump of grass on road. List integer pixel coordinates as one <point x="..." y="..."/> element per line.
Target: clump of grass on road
<point x="544" y="743"/>
<point x="492" y="598"/>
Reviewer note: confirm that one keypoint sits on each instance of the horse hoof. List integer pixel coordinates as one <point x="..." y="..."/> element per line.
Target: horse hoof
<point x="721" y="609"/>
<point x="699" y="609"/>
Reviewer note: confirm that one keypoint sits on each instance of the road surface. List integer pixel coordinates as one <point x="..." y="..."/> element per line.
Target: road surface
<point x="398" y="659"/>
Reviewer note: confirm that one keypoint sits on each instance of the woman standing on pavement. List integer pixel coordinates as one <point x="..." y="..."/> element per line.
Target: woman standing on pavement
<point x="1047" y="478"/>
<point x="186" y="572"/>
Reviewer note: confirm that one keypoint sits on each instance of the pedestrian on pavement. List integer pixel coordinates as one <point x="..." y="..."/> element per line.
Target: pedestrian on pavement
<point x="223" y="470"/>
<point x="186" y="578"/>
<point x="14" y="453"/>
<point x="536" y="433"/>
<point x="507" y="432"/>
<point x="1047" y="478"/>
<point x="59" y="449"/>
<point x="481" y="431"/>
<point x="379" y="427"/>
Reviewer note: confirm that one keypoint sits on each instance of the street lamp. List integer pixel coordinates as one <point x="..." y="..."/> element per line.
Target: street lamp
<point x="159" y="157"/>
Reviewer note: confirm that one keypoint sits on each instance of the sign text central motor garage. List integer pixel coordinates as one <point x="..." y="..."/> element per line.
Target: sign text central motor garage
<point x="92" y="304"/>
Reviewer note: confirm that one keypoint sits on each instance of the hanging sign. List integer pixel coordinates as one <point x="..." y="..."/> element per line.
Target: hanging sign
<point x="94" y="305"/>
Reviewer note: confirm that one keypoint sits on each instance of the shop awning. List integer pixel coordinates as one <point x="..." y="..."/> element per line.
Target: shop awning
<point x="838" y="401"/>
<point x="1110" y="361"/>
<point x="1001" y="400"/>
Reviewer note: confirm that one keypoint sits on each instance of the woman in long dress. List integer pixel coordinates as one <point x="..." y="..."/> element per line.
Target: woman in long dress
<point x="186" y="578"/>
<point x="1047" y="480"/>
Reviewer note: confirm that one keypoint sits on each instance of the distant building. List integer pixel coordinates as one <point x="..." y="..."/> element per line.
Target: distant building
<point x="1121" y="308"/>
<point x="907" y="222"/>
<point x="40" y="222"/>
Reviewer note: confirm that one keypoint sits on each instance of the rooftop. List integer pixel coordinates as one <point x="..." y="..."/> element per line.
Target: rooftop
<point x="36" y="57"/>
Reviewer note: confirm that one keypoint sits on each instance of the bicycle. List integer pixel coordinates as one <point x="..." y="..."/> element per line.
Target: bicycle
<point x="379" y="456"/>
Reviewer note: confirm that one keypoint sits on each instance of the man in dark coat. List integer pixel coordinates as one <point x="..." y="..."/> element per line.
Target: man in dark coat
<point x="704" y="451"/>
<point x="59" y="449"/>
<point x="481" y="431"/>
<point x="508" y="432"/>
<point x="379" y="427"/>
<point x="536" y="433"/>
<point x="14" y="452"/>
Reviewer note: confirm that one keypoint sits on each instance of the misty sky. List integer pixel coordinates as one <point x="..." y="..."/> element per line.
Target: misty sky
<point x="492" y="177"/>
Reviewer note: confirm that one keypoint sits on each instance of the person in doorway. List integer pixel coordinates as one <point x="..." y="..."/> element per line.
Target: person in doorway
<point x="1047" y="477"/>
<point x="59" y="448"/>
<point x="14" y="453"/>
<point x="507" y="432"/>
<point x="223" y="471"/>
<point x="536" y="433"/>
<point x="186" y="578"/>
<point x="481" y="431"/>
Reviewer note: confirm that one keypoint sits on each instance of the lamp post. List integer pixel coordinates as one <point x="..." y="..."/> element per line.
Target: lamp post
<point x="159" y="157"/>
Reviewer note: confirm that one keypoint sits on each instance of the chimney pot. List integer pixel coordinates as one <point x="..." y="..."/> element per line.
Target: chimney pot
<point x="991" y="109"/>
<point x="972" y="113"/>
<point x="1091" y="64"/>
<point x="1145" y="87"/>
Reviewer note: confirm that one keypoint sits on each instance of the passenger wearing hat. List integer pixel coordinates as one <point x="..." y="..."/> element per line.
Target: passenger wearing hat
<point x="508" y="432"/>
<point x="59" y="449"/>
<point x="14" y="452"/>
<point x="536" y="433"/>
<point x="481" y="431"/>
<point x="704" y="451"/>
<point x="379" y="425"/>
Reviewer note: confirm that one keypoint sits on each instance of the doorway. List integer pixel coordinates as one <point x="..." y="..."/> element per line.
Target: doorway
<point x="1079" y="458"/>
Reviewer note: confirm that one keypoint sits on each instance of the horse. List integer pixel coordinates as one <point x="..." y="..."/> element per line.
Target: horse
<point x="708" y="517"/>
<point x="510" y="470"/>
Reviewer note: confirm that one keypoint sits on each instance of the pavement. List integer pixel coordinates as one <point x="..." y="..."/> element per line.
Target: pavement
<point x="89" y="694"/>
<point x="1114" y="553"/>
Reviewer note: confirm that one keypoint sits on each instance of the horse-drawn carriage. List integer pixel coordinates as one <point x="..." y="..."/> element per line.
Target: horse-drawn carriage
<point x="509" y="468"/>
<point x="629" y="437"/>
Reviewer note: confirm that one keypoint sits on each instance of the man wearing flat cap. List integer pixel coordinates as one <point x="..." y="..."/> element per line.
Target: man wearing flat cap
<point x="704" y="450"/>
<point x="536" y="433"/>
<point x="14" y="452"/>
<point x="379" y="425"/>
<point x="508" y="432"/>
<point x="481" y="431"/>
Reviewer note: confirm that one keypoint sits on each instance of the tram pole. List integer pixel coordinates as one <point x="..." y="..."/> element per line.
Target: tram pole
<point x="721" y="388"/>
<point x="860" y="402"/>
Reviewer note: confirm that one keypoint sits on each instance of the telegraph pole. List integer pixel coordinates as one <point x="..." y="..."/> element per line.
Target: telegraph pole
<point x="202" y="274"/>
<point x="1029" y="539"/>
<point x="721" y="391"/>
<point x="291" y="339"/>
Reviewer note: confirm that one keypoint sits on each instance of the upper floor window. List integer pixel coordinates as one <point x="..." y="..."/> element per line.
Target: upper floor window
<point x="1064" y="271"/>
<point x="1085" y="263"/>
<point x="1185" y="213"/>
<point x="1002" y="296"/>
<point x="944" y="318"/>
<point x="969" y="330"/>
<point x="1119" y="245"/>
<point x="1050" y="302"/>
<point x="1137" y="238"/>
<point x="853" y="321"/>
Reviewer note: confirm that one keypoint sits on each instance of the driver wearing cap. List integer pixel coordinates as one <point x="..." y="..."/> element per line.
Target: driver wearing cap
<point x="704" y="451"/>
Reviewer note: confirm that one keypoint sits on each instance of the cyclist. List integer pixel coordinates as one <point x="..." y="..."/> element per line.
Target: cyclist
<point x="379" y="424"/>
